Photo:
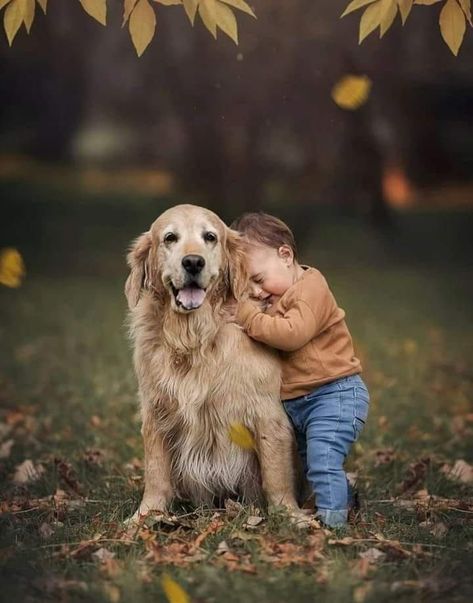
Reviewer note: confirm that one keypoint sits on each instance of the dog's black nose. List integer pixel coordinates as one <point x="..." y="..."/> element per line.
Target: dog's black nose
<point x="193" y="264"/>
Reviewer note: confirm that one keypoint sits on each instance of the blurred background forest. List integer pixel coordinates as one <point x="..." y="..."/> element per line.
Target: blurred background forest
<point x="232" y="128"/>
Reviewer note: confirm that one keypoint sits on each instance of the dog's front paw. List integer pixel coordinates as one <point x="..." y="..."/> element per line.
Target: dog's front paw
<point x="155" y="506"/>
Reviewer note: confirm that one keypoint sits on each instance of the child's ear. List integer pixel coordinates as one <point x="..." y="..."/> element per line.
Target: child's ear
<point x="286" y="254"/>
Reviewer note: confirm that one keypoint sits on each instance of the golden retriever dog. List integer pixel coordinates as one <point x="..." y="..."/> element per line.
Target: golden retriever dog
<point x="199" y="373"/>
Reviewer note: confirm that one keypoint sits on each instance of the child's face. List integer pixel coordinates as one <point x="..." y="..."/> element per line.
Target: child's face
<point x="271" y="271"/>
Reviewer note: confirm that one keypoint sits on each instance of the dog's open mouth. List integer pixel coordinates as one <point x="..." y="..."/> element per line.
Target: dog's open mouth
<point x="189" y="297"/>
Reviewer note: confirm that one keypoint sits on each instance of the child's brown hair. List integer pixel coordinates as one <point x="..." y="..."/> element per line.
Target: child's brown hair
<point x="266" y="229"/>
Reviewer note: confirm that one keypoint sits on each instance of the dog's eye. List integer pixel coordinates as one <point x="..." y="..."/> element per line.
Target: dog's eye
<point x="170" y="237"/>
<point x="210" y="236"/>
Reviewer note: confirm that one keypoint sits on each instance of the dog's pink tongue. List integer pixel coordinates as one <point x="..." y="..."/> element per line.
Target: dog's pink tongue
<point x="191" y="297"/>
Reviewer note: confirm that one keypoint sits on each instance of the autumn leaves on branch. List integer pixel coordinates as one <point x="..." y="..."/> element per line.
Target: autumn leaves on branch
<point x="382" y="13"/>
<point x="140" y="16"/>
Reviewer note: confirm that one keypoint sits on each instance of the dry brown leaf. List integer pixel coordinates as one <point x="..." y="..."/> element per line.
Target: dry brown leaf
<point x="27" y="472"/>
<point x="373" y="555"/>
<point x="5" y="449"/>
<point x="46" y="530"/>
<point x="461" y="471"/>
<point x="102" y="554"/>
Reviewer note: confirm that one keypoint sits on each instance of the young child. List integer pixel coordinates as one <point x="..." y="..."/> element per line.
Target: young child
<point x="322" y="391"/>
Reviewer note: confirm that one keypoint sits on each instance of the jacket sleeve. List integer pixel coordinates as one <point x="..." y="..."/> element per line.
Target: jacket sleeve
<point x="289" y="332"/>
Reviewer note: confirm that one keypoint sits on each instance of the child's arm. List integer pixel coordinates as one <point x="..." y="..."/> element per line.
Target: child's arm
<point x="288" y="333"/>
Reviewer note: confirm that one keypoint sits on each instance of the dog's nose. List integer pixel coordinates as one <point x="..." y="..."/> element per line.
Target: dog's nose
<point x="193" y="264"/>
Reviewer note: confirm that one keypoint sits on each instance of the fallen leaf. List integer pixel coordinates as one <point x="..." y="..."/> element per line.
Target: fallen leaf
<point x="173" y="591"/>
<point x="461" y="471"/>
<point x="439" y="530"/>
<point x="5" y="449"/>
<point x="373" y="555"/>
<point x="222" y="548"/>
<point x="233" y="508"/>
<point x="102" y="554"/>
<point x="27" y="472"/>
<point x="45" y="530"/>
<point x="253" y="521"/>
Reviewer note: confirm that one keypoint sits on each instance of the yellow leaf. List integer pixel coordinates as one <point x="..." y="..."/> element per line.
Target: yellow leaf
<point x="174" y="591"/>
<point x="128" y="7"/>
<point x="388" y="19"/>
<point x="190" y="6"/>
<point x="372" y="17"/>
<point x="352" y="91"/>
<point x="241" y="436"/>
<point x="241" y="5"/>
<point x="355" y="5"/>
<point x="466" y="7"/>
<point x="226" y="21"/>
<point x="208" y="14"/>
<point x="12" y="19"/>
<point x="28" y="13"/>
<point x="142" y="25"/>
<point x="96" y="9"/>
<point x="452" y="25"/>
<point x="405" y="7"/>
<point x="12" y="267"/>
<point x="44" y="5"/>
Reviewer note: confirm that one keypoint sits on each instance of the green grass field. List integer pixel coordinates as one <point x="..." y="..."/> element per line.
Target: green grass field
<point x="68" y="404"/>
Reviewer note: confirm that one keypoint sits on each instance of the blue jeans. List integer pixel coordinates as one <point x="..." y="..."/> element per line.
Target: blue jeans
<point x="326" y="422"/>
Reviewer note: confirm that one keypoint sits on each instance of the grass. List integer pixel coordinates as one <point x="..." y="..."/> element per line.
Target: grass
<point x="67" y="396"/>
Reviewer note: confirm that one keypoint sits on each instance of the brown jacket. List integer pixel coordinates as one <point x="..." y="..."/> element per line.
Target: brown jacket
<point x="309" y="329"/>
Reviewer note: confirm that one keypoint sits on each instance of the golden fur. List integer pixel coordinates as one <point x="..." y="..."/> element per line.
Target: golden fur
<point x="198" y="372"/>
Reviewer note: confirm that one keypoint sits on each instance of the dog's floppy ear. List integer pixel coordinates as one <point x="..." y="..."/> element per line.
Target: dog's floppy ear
<point x="136" y="260"/>
<point x="236" y="272"/>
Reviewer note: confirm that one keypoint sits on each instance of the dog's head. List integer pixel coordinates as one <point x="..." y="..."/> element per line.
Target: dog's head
<point x="187" y="254"/>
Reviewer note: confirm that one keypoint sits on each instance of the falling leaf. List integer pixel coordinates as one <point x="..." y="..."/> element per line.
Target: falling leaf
<point x="241" y="5"/>
<point x="355" y="5"/>
<point x="26" y="472"/>
<point x="351" y="92"/>
<point x="12" y="267"/>
<point x="174" y="591"/>
<point x="96" y="9"/>
<point x="452" y="25"/>
<point x="142" y="25"/>
<point x="241" y="436"/>
<point x="5" y="449"/>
